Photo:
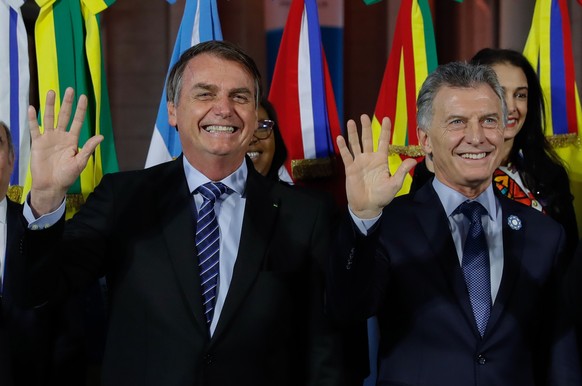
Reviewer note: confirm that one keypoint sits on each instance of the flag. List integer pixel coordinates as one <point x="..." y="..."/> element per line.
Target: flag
<point x="549" y="50"/>
<point x="302" y="94"/>
<point x="69" y="54"/>
<point x="14" y="86"/>
<point x="199" y="23"/>
<point x="331" y="25"/>
<point x="412" y="58"/>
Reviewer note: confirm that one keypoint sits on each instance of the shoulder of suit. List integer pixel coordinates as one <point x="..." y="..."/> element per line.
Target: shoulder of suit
<point x="526" y="214"/>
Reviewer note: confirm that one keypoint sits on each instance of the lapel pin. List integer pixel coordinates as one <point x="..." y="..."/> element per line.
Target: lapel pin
<point x="514" y="222"/>
<point x="275" y="205"/>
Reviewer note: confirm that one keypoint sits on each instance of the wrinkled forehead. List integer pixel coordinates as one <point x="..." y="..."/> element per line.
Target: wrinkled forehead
<point x="478" y="95"/>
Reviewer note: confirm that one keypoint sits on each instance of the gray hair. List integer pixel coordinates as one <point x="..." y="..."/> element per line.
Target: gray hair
<point x="219" y="48"/>
<point x="8" y="137"/>
<point x="455" y="74"/>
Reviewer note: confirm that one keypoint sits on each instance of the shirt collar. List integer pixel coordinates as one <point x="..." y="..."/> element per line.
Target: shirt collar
<point x="3" y="210"/>
<point x="451" y="199"/>
<point x="235" y="182"/>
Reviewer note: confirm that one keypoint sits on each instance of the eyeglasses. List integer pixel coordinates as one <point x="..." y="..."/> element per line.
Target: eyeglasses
<point x="264" y="130"/>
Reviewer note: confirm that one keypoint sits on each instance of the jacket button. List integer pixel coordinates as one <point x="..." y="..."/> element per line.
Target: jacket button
<point x="481" y="359"/>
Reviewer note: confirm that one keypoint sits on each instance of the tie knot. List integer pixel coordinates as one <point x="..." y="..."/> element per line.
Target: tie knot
<point x="472" y="210"/>
<point x="212" y="190"/>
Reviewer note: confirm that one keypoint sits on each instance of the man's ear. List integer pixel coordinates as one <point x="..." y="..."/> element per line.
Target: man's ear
<point x="172" y="120"/>
<point x="424" y="141"/>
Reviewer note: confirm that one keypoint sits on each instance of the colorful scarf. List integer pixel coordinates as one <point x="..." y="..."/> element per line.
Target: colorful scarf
<point x="508" y="181"/>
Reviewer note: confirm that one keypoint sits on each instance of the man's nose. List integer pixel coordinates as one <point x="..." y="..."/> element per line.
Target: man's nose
<point x="223" y="107"/>
<point x="474" y="132"/>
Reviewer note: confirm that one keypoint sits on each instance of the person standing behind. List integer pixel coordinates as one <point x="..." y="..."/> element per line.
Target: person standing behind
<point x="464" y="287"/>
<point x="10" y="218"/>
<point x="41" y="346"/>
<point x="214" y="271"/>
<point x="530" y="171"/>
<point x="267" y="149"/>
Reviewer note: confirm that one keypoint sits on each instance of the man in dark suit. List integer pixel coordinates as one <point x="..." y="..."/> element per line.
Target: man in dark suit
<point x="35" y="344"/>
<point x="265" y="324"/>
<point x="461" y="298"/>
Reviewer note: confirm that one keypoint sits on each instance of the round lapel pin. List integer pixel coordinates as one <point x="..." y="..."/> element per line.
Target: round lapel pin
<point x="514" y="222"/>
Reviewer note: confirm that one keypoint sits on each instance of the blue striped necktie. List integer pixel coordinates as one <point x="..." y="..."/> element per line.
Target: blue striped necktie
<point x="208" y="244"/>
<point x="475" y="264"/>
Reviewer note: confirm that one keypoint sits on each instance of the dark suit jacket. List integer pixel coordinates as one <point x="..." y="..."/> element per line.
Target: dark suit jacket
<point x="408" y="273"/>
<point x="573" y="288"/>
<point x="40" y="346"/>
<point x="138" y="228"/>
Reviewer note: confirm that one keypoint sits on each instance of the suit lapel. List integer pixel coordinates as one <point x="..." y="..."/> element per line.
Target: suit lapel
<point x="261" y="210"/>
<point x="435" y="225"/>
<point x="513" y="250"/>
<point x="175" y="208"/>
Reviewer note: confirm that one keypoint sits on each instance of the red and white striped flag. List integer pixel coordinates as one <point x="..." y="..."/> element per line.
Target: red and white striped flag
<point x="302" y="94"/>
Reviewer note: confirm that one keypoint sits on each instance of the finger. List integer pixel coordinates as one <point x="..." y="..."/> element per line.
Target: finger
<point x="367" y="141"/>
<point x="353" y="138"/>
<point x="403" y="170"/>
<point x="347" y="157"/>
<point x="88" y="149"/>
<point x="384" y="140"/>
<point x="33" y="123"/>
<point x="48" y="118"/>
<point x="79" y="117"/>
<point x="65" y="110"/>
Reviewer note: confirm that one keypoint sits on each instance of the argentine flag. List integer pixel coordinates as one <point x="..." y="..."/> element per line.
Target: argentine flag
<point x="200" y="23"/>
<point x="14" y="84"/>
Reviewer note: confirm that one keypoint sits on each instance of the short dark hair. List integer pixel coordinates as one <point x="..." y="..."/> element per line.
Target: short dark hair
<point x="219" y="48"/>
<point x="459" y="75"/>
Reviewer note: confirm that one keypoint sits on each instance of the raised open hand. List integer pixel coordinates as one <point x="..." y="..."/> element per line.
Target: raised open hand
<point x="369" y="185"/>
<point x="56" y="160"/>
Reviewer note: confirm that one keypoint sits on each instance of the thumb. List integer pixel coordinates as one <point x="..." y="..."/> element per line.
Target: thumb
<point x="404" y="169"/>
<point x="89" y="148"/>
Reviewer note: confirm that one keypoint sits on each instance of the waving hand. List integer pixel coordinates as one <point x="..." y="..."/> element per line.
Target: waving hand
<point x="369" y="185"/>
<point x="56" y="160"/>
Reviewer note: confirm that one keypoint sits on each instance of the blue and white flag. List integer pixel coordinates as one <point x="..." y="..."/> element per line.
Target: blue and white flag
<point x="200" y="23"/>
<point x="15" y="84"/>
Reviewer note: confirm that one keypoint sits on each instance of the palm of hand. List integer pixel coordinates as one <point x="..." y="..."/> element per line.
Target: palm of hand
<point x="53" y="162"/>
<point x="369" y="184"/>
<point x="368" y="181"/>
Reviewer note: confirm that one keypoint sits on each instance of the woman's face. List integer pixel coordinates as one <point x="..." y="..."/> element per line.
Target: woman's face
<point x="514" y="83"/>
<point x="262" y="151"/>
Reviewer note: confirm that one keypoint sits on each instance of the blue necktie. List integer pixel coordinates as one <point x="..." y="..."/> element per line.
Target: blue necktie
<point x="476" y="264"/>
<point x="208" y="243"/>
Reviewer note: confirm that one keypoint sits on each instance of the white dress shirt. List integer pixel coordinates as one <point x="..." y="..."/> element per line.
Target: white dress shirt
<point x="229" y="211"/>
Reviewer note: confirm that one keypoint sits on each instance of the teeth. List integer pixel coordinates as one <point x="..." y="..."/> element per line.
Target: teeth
<point x="473" y="155"/>
<point x="219" y="129"/>
<point x="253" y="154"/>
<point x="511" y="121"/>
